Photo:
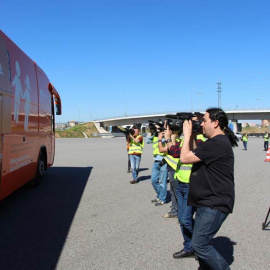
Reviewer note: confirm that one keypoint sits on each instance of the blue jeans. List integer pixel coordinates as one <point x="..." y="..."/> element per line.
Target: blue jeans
<point x="185" y="215"/>
<point x="207" y="223"/>
<point x="266" y="143"/>
<point x="173" y="188"/>
<point x="135" y="164"/>
<point x="159" y="180"/>
<point x="128" y="164"/>
<point x="245" y="144"/>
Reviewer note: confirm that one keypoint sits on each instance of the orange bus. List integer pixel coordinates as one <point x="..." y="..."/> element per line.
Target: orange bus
<point x="28" y="104"/>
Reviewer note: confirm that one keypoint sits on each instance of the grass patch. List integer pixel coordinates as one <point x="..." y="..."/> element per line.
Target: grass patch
<point x="254" y="129"/>
<point x="77" y="131"/>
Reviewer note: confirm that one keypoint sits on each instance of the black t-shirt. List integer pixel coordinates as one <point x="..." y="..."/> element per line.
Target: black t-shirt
<point x="212" y="179"/>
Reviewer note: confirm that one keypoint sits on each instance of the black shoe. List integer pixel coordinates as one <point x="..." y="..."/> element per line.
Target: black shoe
<point x="183" y="254"/>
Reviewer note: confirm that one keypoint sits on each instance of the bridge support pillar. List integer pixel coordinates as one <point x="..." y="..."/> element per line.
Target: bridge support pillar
<point x="234" y="125"/>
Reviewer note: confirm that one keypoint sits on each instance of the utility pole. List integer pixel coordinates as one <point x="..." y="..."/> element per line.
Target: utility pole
<point x="219" y="94"/>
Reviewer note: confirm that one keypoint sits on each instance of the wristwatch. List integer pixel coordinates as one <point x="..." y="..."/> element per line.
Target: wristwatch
<point x="169" y="140"/>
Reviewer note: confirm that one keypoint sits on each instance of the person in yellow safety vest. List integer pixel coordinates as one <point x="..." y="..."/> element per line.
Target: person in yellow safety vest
<point x="135" y="150"/>
<point x="266" y="141"/>
<point x="183" y="171"/>
<point x="159" y="170"/>
<point x="171" y="153"/>
<point x="185" y="212"/>
<point x="245" y="140"/>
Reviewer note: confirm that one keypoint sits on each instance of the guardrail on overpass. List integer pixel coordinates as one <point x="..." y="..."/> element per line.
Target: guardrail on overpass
<point x="233" y="115"/>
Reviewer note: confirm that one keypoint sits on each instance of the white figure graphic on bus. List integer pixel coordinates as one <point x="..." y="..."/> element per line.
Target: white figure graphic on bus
<point x="18" y="92"/>
<point x="27" y="103"/>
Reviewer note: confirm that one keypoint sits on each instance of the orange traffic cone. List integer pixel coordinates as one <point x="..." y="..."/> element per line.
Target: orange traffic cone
<point x="267" y="159"/>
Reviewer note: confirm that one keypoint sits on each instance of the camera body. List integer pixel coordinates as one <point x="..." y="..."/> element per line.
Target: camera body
<point x="130" y="131"/>
<point x="153" y="126"/>
<point x="126" y="131"/>
<point x="162" y="162"/>
<point x="177" y="124"/>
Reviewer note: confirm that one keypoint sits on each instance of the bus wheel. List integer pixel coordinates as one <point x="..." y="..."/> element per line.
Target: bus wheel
<point x="40" y="166"/>
<point x="40" y="171"/>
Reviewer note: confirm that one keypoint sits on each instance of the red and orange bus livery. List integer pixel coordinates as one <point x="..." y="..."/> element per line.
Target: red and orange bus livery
<point x="28" y="104"/>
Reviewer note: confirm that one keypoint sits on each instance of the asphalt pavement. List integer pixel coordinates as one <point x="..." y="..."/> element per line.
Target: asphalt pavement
<point x="86" y="214"/>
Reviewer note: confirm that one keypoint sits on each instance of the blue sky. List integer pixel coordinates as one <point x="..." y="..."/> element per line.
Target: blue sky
<point x="115" y="57"/>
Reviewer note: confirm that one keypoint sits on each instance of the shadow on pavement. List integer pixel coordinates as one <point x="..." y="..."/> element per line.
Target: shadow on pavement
<point x="35" y="221"/>
<point x="224" y="246"/>
<point x="143" y="169"/>
<point x="143" y="178"/>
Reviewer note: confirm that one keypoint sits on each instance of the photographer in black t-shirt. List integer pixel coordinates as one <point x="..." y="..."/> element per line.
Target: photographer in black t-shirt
<point x="211" y="188"/>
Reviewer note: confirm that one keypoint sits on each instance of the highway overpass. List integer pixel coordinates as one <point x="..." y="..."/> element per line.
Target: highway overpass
<point x="234" y="116"/>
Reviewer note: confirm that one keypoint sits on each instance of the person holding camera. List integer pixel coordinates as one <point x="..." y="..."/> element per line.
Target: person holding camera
<point x="135" y="150"/>
<point x="171" y="155"/>
<point x="159" y="172"/>
<point x="211" y="189"/>
<point x="181" y="186"/>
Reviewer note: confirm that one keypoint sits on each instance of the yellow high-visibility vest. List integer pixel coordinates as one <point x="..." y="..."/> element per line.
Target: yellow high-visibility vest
<point x="135" y="147"/>
<point x="172" y="161"/>
<point x="201" y="137"/>
<point x="155" y="147"/>
<point x="183" y="171"/>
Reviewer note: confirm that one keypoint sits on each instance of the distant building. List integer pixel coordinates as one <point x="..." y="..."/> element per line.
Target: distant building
<point x="72" y="123"/>
<point x="60" y="126"/>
